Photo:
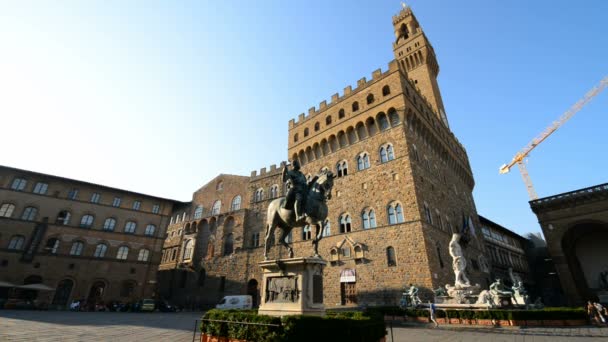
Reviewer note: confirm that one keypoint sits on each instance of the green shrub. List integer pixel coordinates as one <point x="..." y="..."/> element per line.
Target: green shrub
<point x="336" y="326"/>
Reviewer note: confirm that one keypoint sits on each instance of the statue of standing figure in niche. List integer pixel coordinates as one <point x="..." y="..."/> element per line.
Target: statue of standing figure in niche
<point x="459" y="263"/>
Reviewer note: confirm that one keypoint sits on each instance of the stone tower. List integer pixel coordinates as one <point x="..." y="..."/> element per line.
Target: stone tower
<point x="416" y="55"/>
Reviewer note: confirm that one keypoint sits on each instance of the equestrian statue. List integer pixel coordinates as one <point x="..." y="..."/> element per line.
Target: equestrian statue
<point x="303" y="205"/>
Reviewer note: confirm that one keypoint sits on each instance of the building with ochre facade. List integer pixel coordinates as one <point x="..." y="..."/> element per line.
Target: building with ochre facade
<point x="404" y="186"/>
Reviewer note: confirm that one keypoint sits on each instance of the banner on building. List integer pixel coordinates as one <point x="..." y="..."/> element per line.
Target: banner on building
<point x="348" y="276"/>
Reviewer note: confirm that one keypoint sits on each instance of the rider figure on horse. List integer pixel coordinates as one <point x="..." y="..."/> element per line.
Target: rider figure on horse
<point x="296" y="195"/>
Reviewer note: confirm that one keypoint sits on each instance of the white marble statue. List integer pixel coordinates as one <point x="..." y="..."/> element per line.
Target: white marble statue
<point x="520" y="296"/>
<point x="459" y="263"/>
<point x="412" y="293"/>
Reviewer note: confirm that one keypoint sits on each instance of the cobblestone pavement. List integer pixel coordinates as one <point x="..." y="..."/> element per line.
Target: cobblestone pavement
<point x="150" y="327"/>
<point x="421" y="332"/>
<point x="96" y="326"/>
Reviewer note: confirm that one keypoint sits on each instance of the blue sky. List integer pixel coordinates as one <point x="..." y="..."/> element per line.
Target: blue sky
<point x="159" y="97"/>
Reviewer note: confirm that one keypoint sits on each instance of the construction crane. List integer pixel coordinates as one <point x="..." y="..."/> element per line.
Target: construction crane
<point x="523" y="153"/>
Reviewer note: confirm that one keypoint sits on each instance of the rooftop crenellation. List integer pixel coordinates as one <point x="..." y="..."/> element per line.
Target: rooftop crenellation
<point x="264" y="172"/>
<point x="348" y="90"/>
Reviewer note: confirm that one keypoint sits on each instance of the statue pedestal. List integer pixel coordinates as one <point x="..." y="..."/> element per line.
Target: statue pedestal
<point x="292" y="287"/>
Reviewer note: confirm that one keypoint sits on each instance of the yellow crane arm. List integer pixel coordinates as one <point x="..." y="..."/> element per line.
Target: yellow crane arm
<point x="519" y="157"/>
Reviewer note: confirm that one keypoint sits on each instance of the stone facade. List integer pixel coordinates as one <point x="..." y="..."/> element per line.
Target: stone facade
<point x="404" y="186"/>
<point x="575" y="225"/>
<point x="73" y="236"/>
<point x="506" y="250"/>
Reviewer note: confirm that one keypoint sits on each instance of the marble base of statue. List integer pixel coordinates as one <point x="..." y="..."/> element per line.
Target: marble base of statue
<point x="292" y="287"/>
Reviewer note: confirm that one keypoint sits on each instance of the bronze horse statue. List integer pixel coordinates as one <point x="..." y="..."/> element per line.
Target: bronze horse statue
<point x="314" y="207"/>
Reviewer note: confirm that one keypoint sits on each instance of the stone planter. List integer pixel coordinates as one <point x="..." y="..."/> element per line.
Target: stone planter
<point x="517" y="323"/>
<point x="553" y="322"/>
<point x="575" y="322"/>
<point x="467" y="321"/>
<point x="422" y="319"/>
<point x="454" y="320"/>
<point x="442" y="320"/>
<point x="503" y="322"/>
<point x="485" y="322"/>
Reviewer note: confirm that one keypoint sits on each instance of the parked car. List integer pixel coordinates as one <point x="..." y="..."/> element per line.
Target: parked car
<point x="235" y="302"/>
<point x="148" y="305"/>
<point x="164" y="306"/>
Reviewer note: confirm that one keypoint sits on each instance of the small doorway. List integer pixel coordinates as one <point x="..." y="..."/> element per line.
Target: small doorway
<point x="348" y="293"/>
<point x="96" y="294"/>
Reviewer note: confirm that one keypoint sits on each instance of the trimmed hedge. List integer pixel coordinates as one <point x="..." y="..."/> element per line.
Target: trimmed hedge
<point x="336" y="326"/>
<point x="544" y="314"/>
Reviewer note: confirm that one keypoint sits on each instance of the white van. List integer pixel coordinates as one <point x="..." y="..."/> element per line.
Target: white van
<point x="235" y="302"/>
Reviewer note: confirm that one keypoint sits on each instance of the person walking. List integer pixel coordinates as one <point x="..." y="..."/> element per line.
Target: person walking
<point x="432" y="314"/>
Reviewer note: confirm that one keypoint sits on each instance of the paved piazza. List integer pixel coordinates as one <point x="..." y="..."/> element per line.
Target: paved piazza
<point x="148" y="327"/>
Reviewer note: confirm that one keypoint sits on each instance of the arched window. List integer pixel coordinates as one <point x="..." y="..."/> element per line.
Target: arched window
<point x="328" y="120"/>
<point x="219" y="186"/>
<point x="341" y="114"/>
<point x="86" y="221"/>
<point x="395" y="213"/>
<point x="63" y="218"/>
<point x="6" y="210"/>
<point x="386" y="153"/>
<point x="342" y="169"/>
<point x="368" y="216"/>
<point x="143" y="255"/>
<point x="150" y="229"/>
<point x="355" y="106"/>
<point x="18" y="184"/>
<point x="216" y="207"/>
<point x="130" y="227"/>
<point x="16" y="242"/>
<point x="29" y="214"/>
<point x="52" y="245"/>
<point x="382" y="121"/>
<point x="198" y="212"/>
<point x="370" y="98"/>
<point x="236" y="203"/>
<point x="77" y="248"/>
<point x="391" y="260"/>
<point x="228" y="244"/>
<point x="123" y="253"/>
<point x="363" y="161"/>
<point x="100" y="250"/>
<point x="306" y="233"/>
<point x="386" y="90"/>
<point x="317" y="126"/>
<point x="188" y="247"/>
<point x="306" y="132"/>
<point x="259" y="195"/>
<point x="345" y="223"/>
<point x="326" y="229"/>
<point x="393" y="117"/>
<point x="295" y="137"/>
<point x="274" y="191"/>
<point x="109" y="224"/>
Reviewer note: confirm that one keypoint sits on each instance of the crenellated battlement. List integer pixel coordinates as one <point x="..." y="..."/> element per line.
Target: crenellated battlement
<point x="405" y="11"/>
<point x="265" y="172"/>
<point x="362" y="84"/>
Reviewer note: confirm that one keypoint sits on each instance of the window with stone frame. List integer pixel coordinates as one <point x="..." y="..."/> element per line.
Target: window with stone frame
<point x="345" y="223"/>
<point x="395" y="213"/>
<point x="342" y="168"/>
<point x="77" y="247"/>
<point x="363" y="161"/>
<point x="386" y="90"/>
<point x="100" y="250"/>
<point x="16" y="242"/>
<point x="41" y="188"/>
<point x="386" y="153"/>
<point x="136" y="205"/>
<point x="116" y="202"/>
<point x="109" y="224"/>
<point x="216" y="207"/>
<point x="7" y="209"/>
<point x="326" y="229"/>
<point x="255" y="239"/>
<point x="130" y="227"/>
<point x="341" y="114"/>
<point x="29" y="214"/>
<point x="368" y="217"/>
<point x="52" y="245"/>
<point x="198" y="212"/>
<point x="95" y="197"/>
<point x="306" y="232"/>
<point x="18" y="184"/>
<point x="150" y="230"/>
<point x="122" y="253"/>
<point x="236" y="203"/>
